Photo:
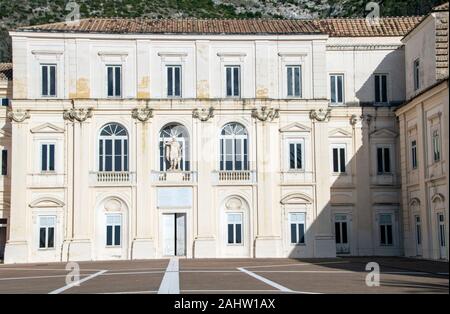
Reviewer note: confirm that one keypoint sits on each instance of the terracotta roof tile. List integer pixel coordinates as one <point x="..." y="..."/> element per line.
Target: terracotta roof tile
<point x="442" y="7"/>
<point x="389" y="26"/>
<point x="6" y="72"/>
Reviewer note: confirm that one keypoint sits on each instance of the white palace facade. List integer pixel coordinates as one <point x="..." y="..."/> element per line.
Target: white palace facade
<point x="141" y="139"/>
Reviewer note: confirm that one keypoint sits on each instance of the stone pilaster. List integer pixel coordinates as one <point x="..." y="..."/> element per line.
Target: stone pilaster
<point x="17" y="247"/>
<point x="324" y="243"/>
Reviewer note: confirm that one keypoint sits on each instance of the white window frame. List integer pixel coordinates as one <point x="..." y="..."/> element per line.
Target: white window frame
<point x="241" y="215"/>
<point x="114" y="66"/>
<point x="393" y="225"/>
<point x="293" y="66"/>
<point x="113" y="233"/>
<point x="436" y="145"/>
<point x="232" y="66"/>
<point x="413" y="155"/>
<point x="291" y="222"/>
<point x="391" y="161"/>
<point x="418" y="229"/>
<point x="46" y="227"/>
<point x="416" y="74"/>
<point x="234" y="138"/>
<point x="48" y="156"/>
<point x="339" y="147"/>
<point x="113" y="138"/>
<point x="48" y="65"/>
<point x="380" y="91"/>
<point x="336" y="75"/>
<point x="300" y="142"/>
<point x="172" y="68"/>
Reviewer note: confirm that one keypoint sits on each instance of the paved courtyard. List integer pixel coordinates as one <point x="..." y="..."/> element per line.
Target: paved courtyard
<point x="225" y="276"/>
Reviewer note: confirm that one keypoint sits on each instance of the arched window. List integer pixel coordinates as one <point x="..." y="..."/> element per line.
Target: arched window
<point x="180" y="133"/>
<point x="113" y="148"/>
<point x="234" y="147"/>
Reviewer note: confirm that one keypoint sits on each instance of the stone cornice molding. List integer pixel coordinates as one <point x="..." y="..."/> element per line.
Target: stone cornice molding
<point x="203" y="114"/>
<point x="142" y="114"/>
<point x="265" y="114"/>
<point x="320" y="115"/>
<point x="363" y="47"/>
<point x="80" y="115"/>
<point x="19" y="115"/>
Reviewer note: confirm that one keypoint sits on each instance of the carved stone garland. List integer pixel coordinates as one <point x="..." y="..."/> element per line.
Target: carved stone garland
<point x="203" y="114"/>
<point x="320" y="115"/>
<point x="142" y="114"/>
<point x="18" y="115"/>
<point x="265" y="114"/>
<point x="79" y="115"/>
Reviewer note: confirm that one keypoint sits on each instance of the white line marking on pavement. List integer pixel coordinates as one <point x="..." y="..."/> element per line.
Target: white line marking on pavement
<point x="265" y="280"/>
<point x="134" y="273"/>
<point x="77" y="283"/>
<point x="299" y="264"/>
<point x="34" y="277"/>
<point x="171" y="281"/>
<point x="130" y="292"/>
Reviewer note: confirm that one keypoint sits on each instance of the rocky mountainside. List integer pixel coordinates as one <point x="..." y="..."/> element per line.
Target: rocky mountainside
<point x="14" y="13"/>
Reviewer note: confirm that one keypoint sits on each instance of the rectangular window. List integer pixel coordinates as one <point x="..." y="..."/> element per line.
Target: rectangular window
<point x="386" y="230"/>
<point x="339" y="158"/>
<point x="113" y="229"/>
<point x="381" y="89"/>
<point x="114" y="78"/>
<point x="4" y="162"/>
<point x="174" y="81"/>
<point x="48" y="157"/>
<point x="295" y="156"/>
<point x="297" y="227"/>
<point x="233" y="81"/>
<point x="337" y="88"/>
<point x="5" y="102"/>
<point x="234" y="228"/>
<point x="418" y="231"/>
<point x="416" y="74"/>
<point x="294" y="80"/>
<point x="436" y="146"/>
<point x="414" y="154"/>
<point x="47" y="232"/>
<point x="48" y="80"/>
<point x="383" y="160"/>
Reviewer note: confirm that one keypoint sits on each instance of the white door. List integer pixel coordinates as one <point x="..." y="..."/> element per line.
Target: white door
<point x="169" y="234"/>
<point x="442" y="248"/>
<point x="418" y="230"/>
<point x="181" y="234"/>
<point x="341" y="226"/>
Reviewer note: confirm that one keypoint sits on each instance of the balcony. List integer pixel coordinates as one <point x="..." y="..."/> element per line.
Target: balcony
<point x="234" y="177"/>
<point x="112" y="178"/>
<point x="171" y="177"/>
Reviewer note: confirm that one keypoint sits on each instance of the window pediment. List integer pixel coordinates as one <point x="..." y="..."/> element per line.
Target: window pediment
<point x="384" y="133"/>
<point x="47" y="128"/>
<point x="296" y="198"/>
<point x="46" y="202"/>
<point x="295" y="127"/>
<point x="339" y="133"/>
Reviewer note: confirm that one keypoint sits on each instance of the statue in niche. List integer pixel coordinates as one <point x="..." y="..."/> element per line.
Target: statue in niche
<point x="173" y="154"/>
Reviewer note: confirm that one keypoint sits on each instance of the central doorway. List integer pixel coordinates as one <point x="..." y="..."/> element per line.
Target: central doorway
<point x="174" y="230"/>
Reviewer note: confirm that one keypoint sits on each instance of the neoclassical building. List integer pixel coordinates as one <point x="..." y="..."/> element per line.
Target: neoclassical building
<point x="140" y="139"/>
<point x="423" y="121"/>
